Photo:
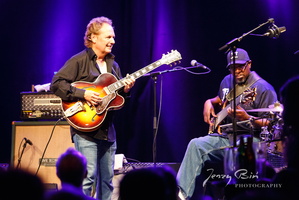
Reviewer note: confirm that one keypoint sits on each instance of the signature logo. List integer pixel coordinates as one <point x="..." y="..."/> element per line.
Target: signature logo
<point x="242" y="174"/>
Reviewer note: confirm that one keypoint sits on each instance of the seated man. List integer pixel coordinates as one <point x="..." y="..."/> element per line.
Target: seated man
<point x="252" y="92"/>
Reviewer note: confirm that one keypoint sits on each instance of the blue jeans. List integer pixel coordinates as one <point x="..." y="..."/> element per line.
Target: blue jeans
<point x="199" y="151"/>
<point x="100" y="165"/>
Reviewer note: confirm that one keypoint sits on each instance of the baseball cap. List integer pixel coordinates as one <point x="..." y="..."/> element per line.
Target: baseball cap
<point x="241" y="57"/>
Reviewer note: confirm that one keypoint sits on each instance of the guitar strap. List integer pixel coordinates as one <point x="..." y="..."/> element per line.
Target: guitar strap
<point x="253" y="77"/>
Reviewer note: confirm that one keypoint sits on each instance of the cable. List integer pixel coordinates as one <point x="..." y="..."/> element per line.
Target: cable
<point x="41" y="159"/>
<point x="187" y="69"/>
<point x="131" y="159"/>
<point x="197" y="73"/>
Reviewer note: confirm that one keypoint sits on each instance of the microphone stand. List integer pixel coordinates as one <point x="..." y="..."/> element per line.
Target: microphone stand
<point x="234" y="48"/>
<point x="19" y="160"/>
<point x="154" y="76"/>
<point x="232" y="45"/>
<point x="237" y="40"/>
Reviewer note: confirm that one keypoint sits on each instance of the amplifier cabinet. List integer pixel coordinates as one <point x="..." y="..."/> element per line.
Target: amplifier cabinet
<point x="39" y="133"/>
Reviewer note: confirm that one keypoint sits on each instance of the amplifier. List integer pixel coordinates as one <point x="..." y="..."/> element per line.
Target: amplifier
<point x="40" y="105"/>
<point x="127" y="166"/>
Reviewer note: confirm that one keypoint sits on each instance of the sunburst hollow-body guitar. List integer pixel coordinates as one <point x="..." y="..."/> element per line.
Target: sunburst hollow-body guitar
<point x="85" y="117"/>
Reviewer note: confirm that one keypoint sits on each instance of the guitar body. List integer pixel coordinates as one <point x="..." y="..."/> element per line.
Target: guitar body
<point x="215" y="128"/>
<point x="90" y="118"/>
<point x="247" y="97"/>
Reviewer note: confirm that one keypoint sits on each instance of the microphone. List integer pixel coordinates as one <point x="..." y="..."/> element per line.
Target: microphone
<point x="274" y="31"/>
<point x="195" y="63"/>
<point x="28" y="141"/>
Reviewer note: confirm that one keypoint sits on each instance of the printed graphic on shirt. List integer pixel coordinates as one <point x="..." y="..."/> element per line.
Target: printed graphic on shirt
<point x="224" y="93"/>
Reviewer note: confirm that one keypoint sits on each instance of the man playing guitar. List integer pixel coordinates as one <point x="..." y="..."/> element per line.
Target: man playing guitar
<point x="252" y="92"/>
<point x="97" y="144"/>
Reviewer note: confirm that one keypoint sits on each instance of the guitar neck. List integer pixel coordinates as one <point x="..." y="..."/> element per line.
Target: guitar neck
<point x="223" y="113"/>
<point x="166" y="59"/>
<point x="120" y="83"/>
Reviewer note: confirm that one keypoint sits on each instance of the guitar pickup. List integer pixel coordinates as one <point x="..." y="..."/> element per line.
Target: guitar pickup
<point x="77" y="107"/>
<point x="106" y="90"/>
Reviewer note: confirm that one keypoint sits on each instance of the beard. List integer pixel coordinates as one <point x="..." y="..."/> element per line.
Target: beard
<point x="240" y="81"/>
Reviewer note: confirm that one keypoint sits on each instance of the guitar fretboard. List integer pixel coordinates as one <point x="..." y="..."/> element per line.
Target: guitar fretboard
<point x="223" y="113"/>
<point x="119" y="84"/>
<point x="166" y="59"/>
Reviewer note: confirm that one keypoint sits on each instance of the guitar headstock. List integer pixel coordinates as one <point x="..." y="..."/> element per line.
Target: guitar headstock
<point x="248" y="96"/>
<point x="171" y="57"/>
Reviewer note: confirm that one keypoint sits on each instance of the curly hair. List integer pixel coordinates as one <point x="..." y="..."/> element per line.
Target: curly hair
<point x="94" y="27"/>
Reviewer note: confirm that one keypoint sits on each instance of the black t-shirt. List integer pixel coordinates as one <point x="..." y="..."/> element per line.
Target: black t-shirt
<point x="265" y="96"/>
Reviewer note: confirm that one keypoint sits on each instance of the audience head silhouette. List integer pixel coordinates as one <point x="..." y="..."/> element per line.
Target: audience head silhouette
<point x="157" y="183"/>
<point x="289" y="99"/>
<point x="71" y="167"/>
<point x="20" y="184"/>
